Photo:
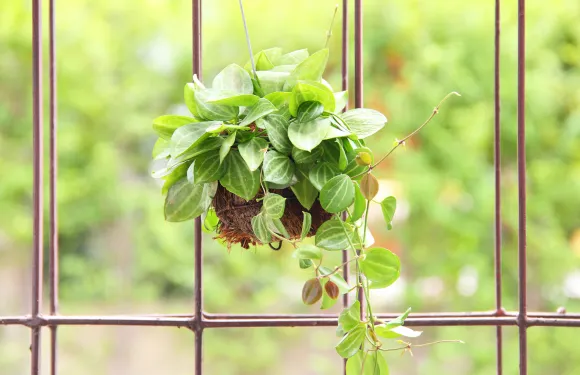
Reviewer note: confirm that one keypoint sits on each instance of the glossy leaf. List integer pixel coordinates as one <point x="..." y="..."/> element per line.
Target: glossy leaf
<point x="210" y="221"/>
<point x="278" y="227"/>
<point x="337" y="194"/>
<point x="308" y="111"/>
<point x="210" y="111"/>
<point x="311" y="291"/>
<point x="278" y="168"/>
<point x="341" y="100"/>
<point x="352" y="341"/>
<point x="176" y="173"/>
<point x="322" y="173"/>
<point x="336" y="278"/>
<point x="310" y="69"/>
<point x="307" y="135"/>
<point x="331" y="289"/>
<point x="272" y="81"/>
<point x="262" y="108"/>
<point x="388" y="207"/>
<point x="166" y="125"/>
<point x="349" y="318"/>
<point x="399" y="320"/>
<point x="360" y="204"/>
<point x="238" y="178"/>
<point x="161" y="149"/>
<point x="364" y="159"/>
<point x="330" y="235"/>
<point x="253" y="152"/>
<point x="306" y="91"/>
<point x="369" y="186"/>
<point x="342" y="159"/>
<point x="226" y="146"/>
<point x="396" y="332"/>
<point x="306" y="224"/>
<point x="306" y="157"/>
<point x="279" y="98"/>
<point x="292" y="58"/>
<point x="305" y="263"/>
<point x="207" y="168"/>
<point x="233" y="99"/>
<point x="305" y="192"/>
<point x="308" y="251"/>
<point x="277" y="128"/>
<point x="364" y="122"/>
<point x="208" y="144"/>
<point x="273" y="205"/>
<point x="186" y="201"/>
<point x="233" y="78"/>
<point x="380" y="265"/>
<point x="260" y="229"/>
<point x="189" y="136"/>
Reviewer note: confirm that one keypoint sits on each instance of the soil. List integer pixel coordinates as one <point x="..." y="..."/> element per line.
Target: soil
<point x="236" y="215"/>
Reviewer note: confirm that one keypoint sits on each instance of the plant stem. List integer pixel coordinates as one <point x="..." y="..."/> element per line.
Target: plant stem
<point x="329" y="33"/>
<point x="248" y="41"/>
<point x="338" y="268"/>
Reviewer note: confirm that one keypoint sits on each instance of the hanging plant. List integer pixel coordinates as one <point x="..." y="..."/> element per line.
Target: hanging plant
<point x="268" y="155"/>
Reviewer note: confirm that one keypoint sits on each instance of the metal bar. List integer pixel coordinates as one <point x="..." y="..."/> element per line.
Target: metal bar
<point x="344" y="74"/>
<point x="198" y="251"/>
<point x="37" y="191"/>
<point x="53" y="236"/>
<point x="522" y="249"/>
<point x="497" y="166"/>
<point x="358" y="54"/>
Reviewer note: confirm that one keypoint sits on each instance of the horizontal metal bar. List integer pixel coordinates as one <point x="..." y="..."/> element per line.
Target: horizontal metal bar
<point x="210" y="316"/>
<point x="213" y="321"/>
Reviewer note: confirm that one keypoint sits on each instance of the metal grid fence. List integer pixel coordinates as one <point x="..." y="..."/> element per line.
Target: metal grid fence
<point x="200" y="320"/>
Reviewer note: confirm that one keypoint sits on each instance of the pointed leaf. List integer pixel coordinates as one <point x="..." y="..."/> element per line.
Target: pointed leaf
<point x="262" y="108"/>
<point x="277" y="128"/>
<point x="398" y="321"/>
<point x="260" y="229"/>
<point x="273" y="205"/>
<point x="330" y="235"/>
<point x="310" y="69"/>
<point x="276" y="226"/>
<point x="306" y="157"/>
<point x="292" y="58"/>
<point x="226" y="146"/>
<point x="341" y="100"/>
<point x="308" y="111"/>
<point x="305" y="263"/>
<point x="278" y="168"/>
<point x="307" y="135"/>
<point x="206" y="168"/>
<point x="388" y="207"/>
<point x="352" y="341"/>
<point x="369" y="186"/>
<point x="380" y="265"/>
<point x="305" y="192"/>
<point x="253" y="152"/>
<point x="161" y="149"/>
<point x="364" y="122"/>
<point x="279" y="98"/>
<point x="272" y="81"/>
<point x="231" y="98"/>
<point x="166" y="125"/>
<point x="360" y="204"/>
<point x="211" y="111"/>
<point x="208" y="144"/>
<point x="306" y="224"/>
<point x="306" y="91"/>
<point x="308" y="252"/>
<point x="233" y="78"/>
<point x="186" y="201"/>
<point x="322" y="173"/>
<point x="188" y="136"/>
<point x="350" y="317"/>
<point x="337" y="194"/>
<point x="238" y="178"/>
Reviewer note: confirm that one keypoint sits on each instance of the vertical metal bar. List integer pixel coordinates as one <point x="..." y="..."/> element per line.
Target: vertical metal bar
<point x="53" y="236"/>
<point x="497" y="166"/>
<point x="358" y="54"/>
<point x="344" y="72"/>
<point x="522" y="244"/>
<point x="198" y="281"/>
<point x="37" y="197"/>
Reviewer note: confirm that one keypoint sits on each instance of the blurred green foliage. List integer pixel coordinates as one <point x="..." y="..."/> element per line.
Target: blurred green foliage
<point x="122" y="63"/>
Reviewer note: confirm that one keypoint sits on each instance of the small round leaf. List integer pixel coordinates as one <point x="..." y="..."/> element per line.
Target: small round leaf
<point x="369" y="186"/>
<point x="311" y="292"/>
<point x="331" y="289"/>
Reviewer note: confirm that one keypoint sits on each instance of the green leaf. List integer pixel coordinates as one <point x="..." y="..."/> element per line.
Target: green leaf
<point x="349" y="318"/>
<point x="308" y="252"/>
<point x="374" y="364"/>
<point x="305" y="263"/>
<point x="206" y="168"/>
<point x="238" y="178"/>
<point x="310" y="69"/>
<point x="233" y="78"/>
<point x="166" y="125"/>
<point x="304" y="191"/>
<point x="342" y="160"/>
<point x="262" y="108"/>
<point x="188" y="136"/>
<point x="364" y="122"/>
<point x="341" y="100"/>
<point x="327" y="301"/>
<point x="230" y="98"/>
<point x="334" y="132"/>
<point x="392" y="333"/>
<point x="226" y="146"/>
<point x="294" y="57"/>
<point x="380" y="266"/>
<point x="277" y="226"/>
<point x="173" y="175"/>
<point x="399" y="320"/>
<point x="307" y="135"/>
<point x="161" y="149"/>
<point x="186" y="201"/>
<point x="278" y="168"/>
<point x="210" y="111"/>
<point x="284" y="68"/>
<point x="208" y="144"/>
<point x="306" y="91"/>
<point x="189" y="97"/>
<point x="260" y="229"/>
<point x="272" y="81"/>
<point x="352" y="341"/>
<point x="273" y="205"/>
<point x="306" y="157"/>
<point x="360" y="204"/>
<point x="337" y="194"/>
<point x="322" y="173"/>
<point x="336" y="278"/>
<point x="354" y="364"/>
<point x="253" y="152"/>
<point x="279" y="98"/>
<point x="277" y="128"/>
<point x="308" y="111"/>
<point x="330" y="235"/>
<point x="264" y="59"/>
<point x="306" y="224"/>
<point x="210" y="221"/>
<point x="388" y="206"/>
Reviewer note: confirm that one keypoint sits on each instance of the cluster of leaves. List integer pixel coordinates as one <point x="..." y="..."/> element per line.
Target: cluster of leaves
<point x="276" y="127"/>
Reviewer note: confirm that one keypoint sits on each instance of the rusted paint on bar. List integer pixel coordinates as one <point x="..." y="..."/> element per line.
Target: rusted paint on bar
<point x="497" y="167"/>
<point x="358" y="54"/>
<point x="37" y="189"/>
<point x="522" y="239"/>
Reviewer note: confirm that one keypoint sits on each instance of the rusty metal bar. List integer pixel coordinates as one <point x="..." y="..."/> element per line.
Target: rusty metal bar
<point x="198" y="251"/>
<point x="497" y="167"/>
<point x="358" y="54"/>
<point x="344" y="75"/>
<point x="521" y="149"/>
<point x="53" y="236"/>
<point x="37" y="191"/>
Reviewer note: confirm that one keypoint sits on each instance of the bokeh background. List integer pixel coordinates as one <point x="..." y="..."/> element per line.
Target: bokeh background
<point x="122" y="63"/>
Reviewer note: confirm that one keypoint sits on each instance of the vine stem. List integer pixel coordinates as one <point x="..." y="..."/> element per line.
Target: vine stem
<point x="402" y="141"/>
<point x="329" y="33"/>
<point x="338" y="268"/>
<point x="408" y="345"/>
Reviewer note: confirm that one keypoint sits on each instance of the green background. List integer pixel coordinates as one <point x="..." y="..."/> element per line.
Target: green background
<point x="123" y="63"/>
